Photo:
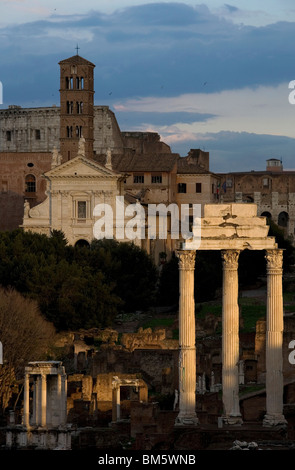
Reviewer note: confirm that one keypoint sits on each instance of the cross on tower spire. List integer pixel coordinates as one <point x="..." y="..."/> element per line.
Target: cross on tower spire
<point x="77" y="48"/>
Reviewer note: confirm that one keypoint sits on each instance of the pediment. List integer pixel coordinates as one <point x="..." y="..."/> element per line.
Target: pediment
<point x="81" y="167"/>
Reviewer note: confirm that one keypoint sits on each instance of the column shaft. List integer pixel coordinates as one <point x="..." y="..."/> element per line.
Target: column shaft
<point x="26" y="416"/>
<point x="187" y="352"/>
<point x="274" y="339"/>
<point x="230" y="338"/>
<point x="64" y="398"/>
<point x="43" y="399"/>
<point x="116" y="403"/>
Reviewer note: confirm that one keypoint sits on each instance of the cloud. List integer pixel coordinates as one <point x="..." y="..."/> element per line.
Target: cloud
<point x="241" y="127"/>
<point x="185" y="71"/>
<point x="249" y="16"/>
<point x="161" y="49"/>
<point x="157" y="118"/>
<point x="231" y="8"/>
<point x="248" y="109"/>
<point x="240" y="151"/>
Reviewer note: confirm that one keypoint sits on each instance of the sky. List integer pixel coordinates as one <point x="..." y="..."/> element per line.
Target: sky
<point x="212" y="75"/>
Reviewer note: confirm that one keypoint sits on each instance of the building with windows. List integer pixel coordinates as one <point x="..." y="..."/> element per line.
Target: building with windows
<point x="273" y="190"/>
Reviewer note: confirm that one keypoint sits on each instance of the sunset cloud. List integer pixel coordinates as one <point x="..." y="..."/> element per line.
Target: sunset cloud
<point x="214" y="75"/>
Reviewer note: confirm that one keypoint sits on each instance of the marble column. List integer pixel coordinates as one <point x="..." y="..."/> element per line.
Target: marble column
<point x="274" y="340"/>
<point x="26" y="412"/>
<point x="59" y="410"/>
<point x="187" y="353"/>
<point x="37" y="400"/>
<point x="230" y="338"/>
<point x="43" y="399"/>
<point x="64" y="398"/>
<point x="34" y="415"/>
<point x="116" y="408"/>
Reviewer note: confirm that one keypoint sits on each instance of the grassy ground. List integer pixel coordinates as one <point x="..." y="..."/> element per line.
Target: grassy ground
<point x="252" y="309"/>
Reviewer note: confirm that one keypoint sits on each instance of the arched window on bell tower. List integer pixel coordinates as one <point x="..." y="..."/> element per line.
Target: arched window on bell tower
<point x="79" y="131"/>
<point x="79" y="107"/>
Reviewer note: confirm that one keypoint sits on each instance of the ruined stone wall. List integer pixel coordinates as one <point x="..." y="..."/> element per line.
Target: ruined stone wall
<point x="107" y="133"/>
<point x="145" y="142"/>
<point x="38" y="130"/>
<point x="274" y="194"/>
<point x="29" y="129"/>
<point x="159" y="368"/>
<point x="148" y="339"/>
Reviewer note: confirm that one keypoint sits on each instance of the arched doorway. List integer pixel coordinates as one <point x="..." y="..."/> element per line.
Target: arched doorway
<point x="82" y="243"/>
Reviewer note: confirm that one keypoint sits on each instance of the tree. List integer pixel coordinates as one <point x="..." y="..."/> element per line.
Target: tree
<point x="129" y="269"/>
<point x="77" y="287"/>
<point x="168" y="292"/>
<point x="25" y="335"/>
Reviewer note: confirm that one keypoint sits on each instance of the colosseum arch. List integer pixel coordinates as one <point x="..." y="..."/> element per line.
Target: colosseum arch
<point x="283" y="219"/>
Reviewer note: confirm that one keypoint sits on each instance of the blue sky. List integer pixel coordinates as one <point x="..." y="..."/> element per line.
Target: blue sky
<point x="204" y="75"/>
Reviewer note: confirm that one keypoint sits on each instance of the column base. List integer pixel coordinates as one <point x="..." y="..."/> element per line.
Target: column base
<point x="271" y="420"/>
<point x="232" y="420"/>
<point x="187" y="421"/>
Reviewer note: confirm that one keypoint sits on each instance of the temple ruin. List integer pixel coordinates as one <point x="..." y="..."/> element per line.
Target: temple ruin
<point x="59" y="408"/>
<point x="44" y="410"/>
<point x="231" y="228"/>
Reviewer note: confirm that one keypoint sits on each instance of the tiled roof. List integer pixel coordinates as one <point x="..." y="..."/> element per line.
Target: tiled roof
<point x="76" y="60"/>
<point x="145" y="162"/>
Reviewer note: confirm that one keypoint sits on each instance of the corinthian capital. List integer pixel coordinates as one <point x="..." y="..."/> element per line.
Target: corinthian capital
<point x="274" y="259"/>
<point x="230" y="258"/>
<point x="187" y="259"/>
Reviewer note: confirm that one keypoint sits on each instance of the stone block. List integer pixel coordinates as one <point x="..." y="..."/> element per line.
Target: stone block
<point x="238" y="210"/>
<point x="252" y="232"/>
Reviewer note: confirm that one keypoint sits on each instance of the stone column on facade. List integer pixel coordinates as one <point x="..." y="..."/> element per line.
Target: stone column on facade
<point x="26" y="412"/>
<point x="187" y="348"/>
<point x="274" y="340"/>
<point x="59" y="406"/>
<point x="64" y="397"/>
<point x="37" y="400"/>
<point x="43" y="399"/>
<point x="61" y="395"/>
<point x="116" y="402"/>
<point x="34" y="415"/>
<point x="230" y="338"/>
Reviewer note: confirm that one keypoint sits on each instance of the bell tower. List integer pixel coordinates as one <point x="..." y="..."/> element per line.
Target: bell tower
<point x="76" y="106"/>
